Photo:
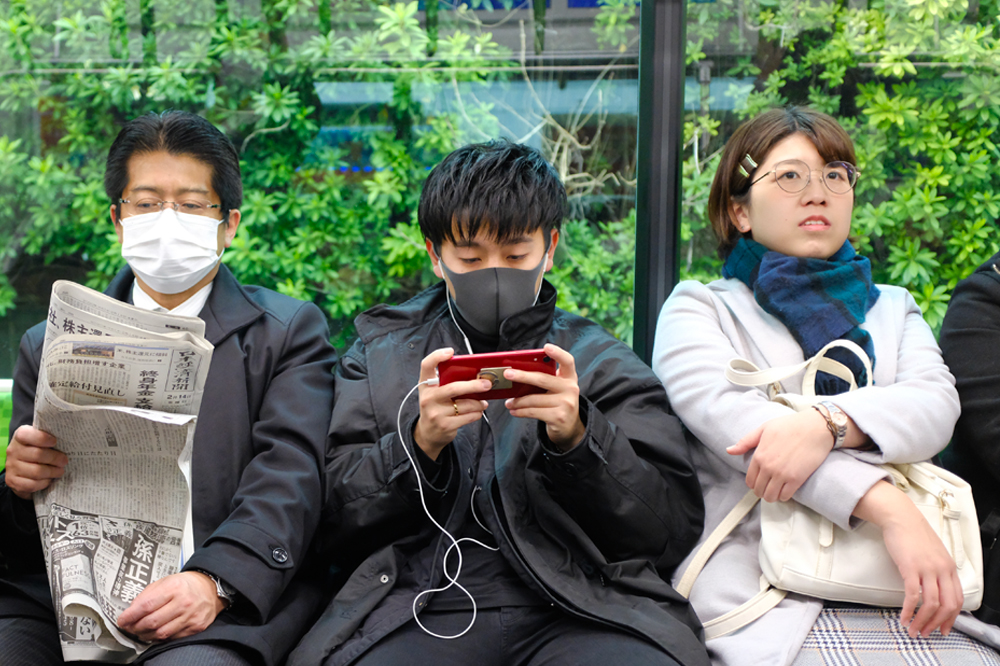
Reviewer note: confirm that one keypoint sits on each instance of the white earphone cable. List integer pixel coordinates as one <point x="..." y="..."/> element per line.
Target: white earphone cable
<point x="452" y="580"/>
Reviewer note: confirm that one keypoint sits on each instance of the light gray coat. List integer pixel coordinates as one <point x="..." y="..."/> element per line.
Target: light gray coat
<point x="909" y="413"/>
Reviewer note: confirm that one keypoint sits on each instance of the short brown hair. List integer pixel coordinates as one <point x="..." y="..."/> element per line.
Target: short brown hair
<point x="755" y="138"/>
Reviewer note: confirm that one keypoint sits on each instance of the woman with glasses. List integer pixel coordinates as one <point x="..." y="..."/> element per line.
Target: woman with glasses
<point x="780" y="206"/>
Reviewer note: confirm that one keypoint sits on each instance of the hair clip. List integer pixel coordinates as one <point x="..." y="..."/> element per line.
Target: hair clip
<point x="749" y="162"/>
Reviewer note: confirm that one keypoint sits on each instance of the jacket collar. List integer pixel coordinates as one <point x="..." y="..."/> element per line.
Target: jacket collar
<point x="521" y="330"/>
<point x="991" y="267"/>
<point x="532" y="324"/>
<point x="229" y="307"/>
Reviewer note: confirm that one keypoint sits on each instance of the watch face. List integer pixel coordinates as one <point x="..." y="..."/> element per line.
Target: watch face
<point x="839" y="419"/>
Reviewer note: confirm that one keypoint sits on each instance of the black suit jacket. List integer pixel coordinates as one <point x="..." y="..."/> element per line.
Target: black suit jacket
<point x="258" y="448"/>
<point x="970" y="342"/>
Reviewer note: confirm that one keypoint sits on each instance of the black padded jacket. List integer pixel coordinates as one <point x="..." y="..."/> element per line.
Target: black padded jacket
<point x="597" y="531"/>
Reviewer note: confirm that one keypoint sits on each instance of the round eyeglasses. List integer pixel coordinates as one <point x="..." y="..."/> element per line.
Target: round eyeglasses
<point x="794" y="176"/>
<point x="190" y="206"/>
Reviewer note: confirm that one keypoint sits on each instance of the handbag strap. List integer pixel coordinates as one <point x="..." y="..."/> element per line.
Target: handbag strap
<point x="926" y="475"/>
<point x="732" y="519"/>
<point x="744" y="373"/>
<point x="744" y="614"/>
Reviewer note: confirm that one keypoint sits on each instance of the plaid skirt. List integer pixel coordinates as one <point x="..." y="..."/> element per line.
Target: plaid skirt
<point x="864" y="636"/>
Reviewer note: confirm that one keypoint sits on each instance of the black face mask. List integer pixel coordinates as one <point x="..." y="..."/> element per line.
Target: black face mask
<point x="488" y="296"/>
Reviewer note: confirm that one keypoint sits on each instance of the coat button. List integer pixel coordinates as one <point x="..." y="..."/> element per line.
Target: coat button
<point x="384" y="579"/>
<point x="280" y="555"/>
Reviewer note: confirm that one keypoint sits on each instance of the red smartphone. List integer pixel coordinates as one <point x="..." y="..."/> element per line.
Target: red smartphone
<point x="491" y="366"/>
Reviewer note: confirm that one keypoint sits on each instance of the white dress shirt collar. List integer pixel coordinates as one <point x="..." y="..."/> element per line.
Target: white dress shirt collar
<point x="189" y="308"/>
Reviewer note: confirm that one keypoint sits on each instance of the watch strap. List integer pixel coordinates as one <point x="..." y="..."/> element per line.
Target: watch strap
<point x="836" y="421"/>
<point x="224" y="590"/>
<point x="826" y="417"/>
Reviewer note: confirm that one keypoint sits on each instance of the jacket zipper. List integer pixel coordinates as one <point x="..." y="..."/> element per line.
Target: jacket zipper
<point x="553" y="598"/>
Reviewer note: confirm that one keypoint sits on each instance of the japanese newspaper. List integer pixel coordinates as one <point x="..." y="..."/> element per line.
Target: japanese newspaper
<point x="119" y="388"/>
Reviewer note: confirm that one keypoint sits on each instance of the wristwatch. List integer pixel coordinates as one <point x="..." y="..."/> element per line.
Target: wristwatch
<point x="226" y="592"/>
<point x="836" y="421"/>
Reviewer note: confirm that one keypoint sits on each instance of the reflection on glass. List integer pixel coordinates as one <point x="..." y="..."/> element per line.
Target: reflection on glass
<point x="338" y="108"/>
<point x="916" y="85"/>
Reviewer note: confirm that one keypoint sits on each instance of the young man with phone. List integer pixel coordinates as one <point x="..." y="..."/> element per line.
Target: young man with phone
<point x="535" y="529"/>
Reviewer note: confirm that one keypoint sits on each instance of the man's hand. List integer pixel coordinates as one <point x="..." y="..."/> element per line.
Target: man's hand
<point x="33" y="461"/>
<point x="559" y="406"/>
<point x="788" y="450"/>
<point x="176" y="606"/>
<point x="440" y="414"/>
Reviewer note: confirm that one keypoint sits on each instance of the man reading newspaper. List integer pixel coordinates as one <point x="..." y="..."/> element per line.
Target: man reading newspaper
<point x="119" y="388"/>
<point x="174" y="183"/>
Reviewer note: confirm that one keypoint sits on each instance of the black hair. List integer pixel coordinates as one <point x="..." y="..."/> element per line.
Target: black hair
<point x="178" y="133"/>
<point x="504" y="188"/>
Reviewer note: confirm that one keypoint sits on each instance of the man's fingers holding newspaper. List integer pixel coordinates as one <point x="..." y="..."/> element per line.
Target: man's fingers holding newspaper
<point x="32" y="461"/>
<point x="176" y="606"/>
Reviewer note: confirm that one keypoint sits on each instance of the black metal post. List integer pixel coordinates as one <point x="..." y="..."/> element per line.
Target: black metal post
<point x="658" y="190"/>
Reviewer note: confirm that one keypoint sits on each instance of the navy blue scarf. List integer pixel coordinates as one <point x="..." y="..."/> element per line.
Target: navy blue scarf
<point x="818" y="300"/>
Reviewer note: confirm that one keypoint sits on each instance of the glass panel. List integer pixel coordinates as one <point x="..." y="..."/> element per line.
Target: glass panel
<point x="916" y="85"/>
<point x="338" y="108"/>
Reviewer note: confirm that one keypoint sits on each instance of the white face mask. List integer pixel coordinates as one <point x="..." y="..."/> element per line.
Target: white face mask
<point x="170" y="251"/>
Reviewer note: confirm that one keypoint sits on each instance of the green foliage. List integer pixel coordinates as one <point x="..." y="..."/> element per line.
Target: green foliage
<point x="14" y="169"/>
<point x="915" y="82"/>
<point x="917" y="85"/>
<point x="614" y="25"/>
<point x="595" y="272"/>
<point x="6" y="409"/>
<point x="312" y="226"/>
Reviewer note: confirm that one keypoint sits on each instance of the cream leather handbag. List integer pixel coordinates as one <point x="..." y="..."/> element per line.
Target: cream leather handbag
<point x="803" y="552"/>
